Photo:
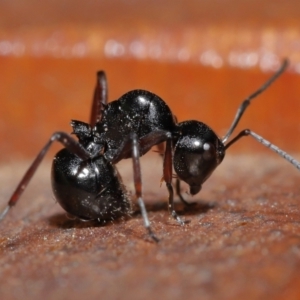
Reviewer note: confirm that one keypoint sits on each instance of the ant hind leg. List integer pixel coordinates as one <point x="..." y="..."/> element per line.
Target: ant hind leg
<point x="62" y="137"/>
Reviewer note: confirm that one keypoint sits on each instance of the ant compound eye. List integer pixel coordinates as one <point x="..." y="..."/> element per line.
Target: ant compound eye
<point x="209" y="151"/>
<point x="206" y="146"/>
<point x="197" y="145"/>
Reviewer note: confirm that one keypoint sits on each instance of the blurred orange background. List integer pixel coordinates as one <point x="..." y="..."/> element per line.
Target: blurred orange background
<point x="202" y="57"/>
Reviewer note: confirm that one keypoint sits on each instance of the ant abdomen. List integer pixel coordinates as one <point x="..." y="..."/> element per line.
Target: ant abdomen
<point x="198" y="151"/>
<point x="88" y="189"/>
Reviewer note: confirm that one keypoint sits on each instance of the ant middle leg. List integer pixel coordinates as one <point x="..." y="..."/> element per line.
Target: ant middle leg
<point x="138" y="185"/>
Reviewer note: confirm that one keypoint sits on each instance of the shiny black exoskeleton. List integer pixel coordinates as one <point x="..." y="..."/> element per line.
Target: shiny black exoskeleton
<point x="85" y="180"/>
<point x="197" y="149"/>
<point x="91" y="189"/>
<point x="138" y="111"/>
<point x="197" y="152"/>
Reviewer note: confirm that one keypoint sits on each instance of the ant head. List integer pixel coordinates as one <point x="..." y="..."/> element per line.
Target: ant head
<point x="198" y="151"/>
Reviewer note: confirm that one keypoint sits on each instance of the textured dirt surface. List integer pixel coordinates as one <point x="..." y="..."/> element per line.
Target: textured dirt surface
<point x="243" y="239"/>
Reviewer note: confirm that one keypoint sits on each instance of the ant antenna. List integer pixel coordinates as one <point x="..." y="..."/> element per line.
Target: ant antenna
<point x="266" y="143"/>
<point x="247" y="101"/>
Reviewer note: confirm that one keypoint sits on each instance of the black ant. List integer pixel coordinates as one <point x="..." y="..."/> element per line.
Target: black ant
<point x="84" y="179"/>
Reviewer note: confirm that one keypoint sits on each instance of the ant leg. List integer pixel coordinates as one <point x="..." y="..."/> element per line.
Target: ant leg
<point x="267" y="144"/>
<point x="62" y="137"/>
<point x="168" y="167"/>
<point x="161" y="150"/>
<point x="99" y="99"/>
<point x="138" y="185"/>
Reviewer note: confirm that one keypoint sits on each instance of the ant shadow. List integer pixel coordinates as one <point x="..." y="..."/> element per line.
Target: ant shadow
<point x="194" y="208"/>
<point x="62" y="220"/>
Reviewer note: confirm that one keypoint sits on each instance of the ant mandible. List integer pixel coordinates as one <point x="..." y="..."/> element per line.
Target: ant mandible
<point x="84" y="179"/>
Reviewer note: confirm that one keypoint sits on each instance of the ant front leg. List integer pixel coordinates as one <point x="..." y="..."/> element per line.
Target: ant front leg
<point x="62" y="137"/>
<point x="267" y="144"/>
<point x="168" y="167"/>
<point x="161" y="150"/>
<point x="138" y="184"/>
